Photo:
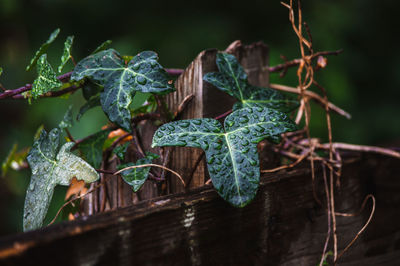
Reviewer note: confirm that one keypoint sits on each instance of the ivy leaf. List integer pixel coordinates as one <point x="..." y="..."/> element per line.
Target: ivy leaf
<point x="46" y="80"/>
<point x="1" y="71"/>
<point x="91" y="148"/>
<point x="102" y="46"/>
<point x="66" y="53"/>
<point x="43" y="49"/>
<point x="51" y="167"/>
<point x="232" y="79"/>
<point x="143" y="73"/>
<point x="137" y="176"/>
<point x="120" y="150"/>
<point x="231" y="155"/>
<point x="67" y="120"/>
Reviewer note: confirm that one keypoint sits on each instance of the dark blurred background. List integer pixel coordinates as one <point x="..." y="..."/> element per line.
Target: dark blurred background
<point x="363" y="80"/>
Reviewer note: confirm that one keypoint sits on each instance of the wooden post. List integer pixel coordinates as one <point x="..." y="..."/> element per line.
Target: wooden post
<point x="209" y="102"/>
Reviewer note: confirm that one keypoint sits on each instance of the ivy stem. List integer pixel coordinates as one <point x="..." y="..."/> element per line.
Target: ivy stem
<point x="15" y="94"/>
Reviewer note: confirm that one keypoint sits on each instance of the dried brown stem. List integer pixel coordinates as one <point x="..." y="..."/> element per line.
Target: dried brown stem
<point x="328" y="234"/>
<point x="182" y="106"/>
<point x="196" y="164"/>
<point x="314" y="96"/>
<point x="362" y="148"/>
<point x="362" y="229"/>
<point x="299" y="160"/>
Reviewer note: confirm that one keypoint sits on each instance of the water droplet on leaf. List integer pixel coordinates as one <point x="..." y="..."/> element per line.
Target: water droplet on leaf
<point x="141" y="80"/>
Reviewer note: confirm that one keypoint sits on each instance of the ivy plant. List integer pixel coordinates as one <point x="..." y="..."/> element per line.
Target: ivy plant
<point x="51" y="166"/>
<point x="121" y="80"/>
<point x="231" y="152"/>
<point x="233" y="80"/>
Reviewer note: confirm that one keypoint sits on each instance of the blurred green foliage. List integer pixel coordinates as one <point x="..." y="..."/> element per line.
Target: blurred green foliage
<point x="363" y="80"/>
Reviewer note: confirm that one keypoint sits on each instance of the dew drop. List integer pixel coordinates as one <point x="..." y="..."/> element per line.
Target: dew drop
<point x="253" y="162"/>
<point x="197" y="122"/>
<point x="245" y="150"/>
<point x="244" y="119"/>
<point x="171" y="127"/>
<point x="160" y="134"/>
<point x="211" y="160"/>
<point x="230" y="123"/>
<point x="246" y="130"/>
<point x="231" y="136"/>
<point x="205" y="146"/>
<point x="153" y="64"/>
<point x="260" y="129"/>
<point x="262" y="118"/>
<point x="181" y="143"/>
<point x="184" y="124"/>
<point x="141" y="80"/>
<point x="136" y="67"/>
<point x="32" y="186"/>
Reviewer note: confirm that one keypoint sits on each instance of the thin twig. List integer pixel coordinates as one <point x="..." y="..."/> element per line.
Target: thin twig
<point x="362" y="229"/>
<point x="314" y="96"/>
<point x="155" y="165"/>
<point x="362" y="148"/>
<point x="182" y="106"/>
<point x="196" y="164"/>
<point x="297" y="61"/>
<point x="328" y="234"/>
<point x="299" y="160"/>
<point x="223" y="115"/>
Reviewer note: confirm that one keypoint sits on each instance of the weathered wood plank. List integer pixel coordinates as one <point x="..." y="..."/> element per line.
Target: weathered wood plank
<point x="283" y="226"/>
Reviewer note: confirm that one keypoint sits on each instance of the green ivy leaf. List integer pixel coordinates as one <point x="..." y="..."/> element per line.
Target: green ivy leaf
<point x="120" y="150"/>
<point x="232" y="79"/>
<point x="66" y="53"/>
<point x="102" y="46"/>
<point x="92" y="148"/>
<point x="137" y="176"/>
<point x="231" y="155"/>
<point x="51" y="167"/>
<point x="143" y="73"/>
<point x="67" y="120"/>
<point x="43" y="49"/>
<point x="46" y="80"/>
<point x="1" y="71"/>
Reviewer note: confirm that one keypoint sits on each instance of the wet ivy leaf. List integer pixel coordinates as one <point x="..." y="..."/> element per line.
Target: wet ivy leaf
<point x="67" y="120"/>
<point x="231" y="154"/>
<point x="46" y="80"/>
<point x="232" y="79"/>
<point x="51" y="166"/>
<point x="143" y="73"/>
<point x="92" y="148"/>
<point x="137" y="176"/>
<point x="120" y="150"/>
<point x="102" y="46"/>
<point x="43" y="49"/>
<point x="66" y="53"/>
